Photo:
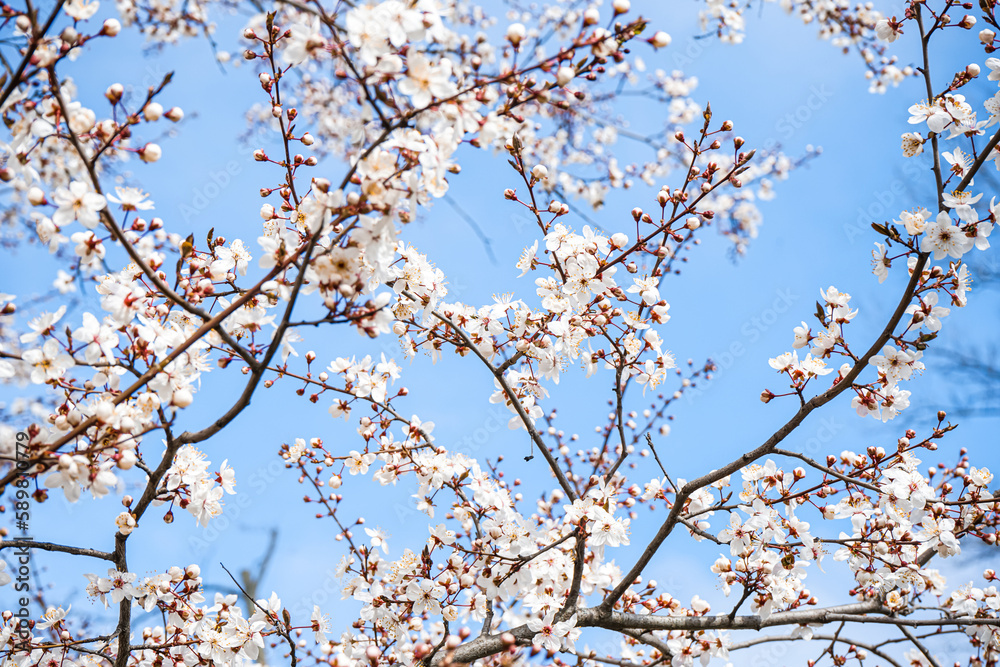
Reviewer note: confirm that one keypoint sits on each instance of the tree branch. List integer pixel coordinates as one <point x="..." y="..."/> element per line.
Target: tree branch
<point x="61" y="548"/>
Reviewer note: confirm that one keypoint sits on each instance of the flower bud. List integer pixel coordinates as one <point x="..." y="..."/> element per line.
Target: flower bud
<point x="660" y="39"/>
<point x="564" y="75"/>
<point x="621" y="6"/>
<point x="150" y="153"/>
<point x="986" y="36"/>
<point x="104" y="411"/>
<point x="515" y="33"/>
<point x="182" y="398"/>
<point x="111" y="27"/>
<point x="114" y="92"/>
<point x="152" y="111"/>
<point x="175" y="114"/>
<point x="36" y="196"/>
<point x="540" y="172"/>
<point x="127" y="460"/>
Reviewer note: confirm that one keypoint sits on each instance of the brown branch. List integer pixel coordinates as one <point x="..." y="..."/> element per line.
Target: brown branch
<point x="635" y="623"/>
<point x="920" y="647"/>
<point x="779" y="638"/>
<point x="525" y="419"/>
<point x="61" y="548"/>
<point x="280" y="629"/>
<point x="828" y="471"/>
<point x="770" y="444"/>
<point x="36" y="39"/>
<point x="124" y="628"/>
<point x="579" y="555"/>
<point x="116" y="231"/>
<point x="925" y="70"/>
<point x="155" y="368"/>
<point x="258" y="373"/>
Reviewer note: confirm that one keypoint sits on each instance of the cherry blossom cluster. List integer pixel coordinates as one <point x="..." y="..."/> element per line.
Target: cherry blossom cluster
<point x="899" y="518"/>
<point x="397" y="93"/>
<point x="921" y="237"/>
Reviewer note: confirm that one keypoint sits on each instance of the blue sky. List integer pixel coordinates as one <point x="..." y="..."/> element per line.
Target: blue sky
<point x="781" y="85"/>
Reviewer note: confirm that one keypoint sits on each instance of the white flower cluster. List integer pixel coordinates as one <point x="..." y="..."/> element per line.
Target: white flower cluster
<point x="394" y="92"/>
<point x="504" y="569"/>
<point x="189" y="483"/>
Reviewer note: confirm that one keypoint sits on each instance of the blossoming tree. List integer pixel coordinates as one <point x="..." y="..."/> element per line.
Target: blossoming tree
<point x="372" y="108"/>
